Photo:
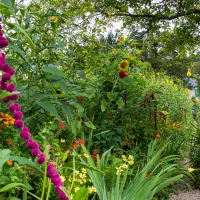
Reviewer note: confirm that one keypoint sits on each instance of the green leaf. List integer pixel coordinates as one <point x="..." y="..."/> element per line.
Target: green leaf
<point x="111" y="96"/>
<point x="81" y="194"/>
<point x="4" y="10"/>
<point x="127" y="81"/>
<point x="54" y="70"/>
<point x="120" y="103"/>
<point x="49" y="107"/>
<point x="8" y="3"/>
<point x="90" y="125"/>
<point x="77" y="106"/>
<point x="11" y="185"/>
<point x="81" y="73"/>
<point x="7" y="94"/>
<point x="20" y="52"/>
<point x="4" y="156"/>
<point x="29" y="40"/>
<point x="79" y="164"/>
<point x="103" y="105"/>
<point x="26" y="161"/>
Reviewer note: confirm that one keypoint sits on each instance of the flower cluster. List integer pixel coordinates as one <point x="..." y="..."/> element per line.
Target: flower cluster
<point x="128" y="161"/>
<point x="18" y="115"/>
<point x="56" y="180"/>
<point x="6" y="119"/>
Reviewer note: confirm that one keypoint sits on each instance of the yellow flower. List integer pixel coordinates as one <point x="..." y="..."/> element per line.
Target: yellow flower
<point x="92" y="189"/>
<point x="123" y="65"/>
<point x="62" y="141"/>
<point x="62" y="178"/>
<point x="124" y="166"/>
<point x="119" y="170"/>
<point x="53" y="18"/>
<point x="190" y="170"/>
<point x="131" y="162"/>
<point x="121" y="39"/>
<point x="87" y="156"/>
<point x="77" y="189"/>
<point x="189" y="72"/>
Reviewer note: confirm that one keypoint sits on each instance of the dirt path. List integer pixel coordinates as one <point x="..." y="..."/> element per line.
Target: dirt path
<point x="186" y="195"/>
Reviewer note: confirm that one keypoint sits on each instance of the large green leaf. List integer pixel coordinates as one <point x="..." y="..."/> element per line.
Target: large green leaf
<point x="81" y="194"/>
<point x="20" y="52"/>
<point x="4" y="156"/>
<point x="90" y="125"/>
<point x="7" y="94"/>
<point x="4" y="10"/>
<point x="8" y="3"/>
<point x="29" y="40"/>
<point x="26" y="161"/>
<point x="49" y="107"/>
<point x="55" y="71"/>
<point x="11" y="185"/>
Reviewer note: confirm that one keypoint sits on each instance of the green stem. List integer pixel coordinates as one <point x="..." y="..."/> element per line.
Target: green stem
<point x="49" y="189"/>
<point x="45" y="175"/>
<point x="73" y="179"/>
<point x="34" y="195"/>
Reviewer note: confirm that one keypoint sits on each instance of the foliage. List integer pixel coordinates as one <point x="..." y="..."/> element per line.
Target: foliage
<point x="151" y="178"/>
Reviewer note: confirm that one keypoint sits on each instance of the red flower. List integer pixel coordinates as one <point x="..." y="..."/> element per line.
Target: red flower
<point x="109" y="117"/>
<point x="10" y="143"/>
<point x="75" y="146"/>
<point x="122" y="74"/>
<point x="80" y="141"/>
<point x="94" y="155"/>
<point x="128" y="142"/>
<point x="80" y="99"/>
<point x="61" y="125"/>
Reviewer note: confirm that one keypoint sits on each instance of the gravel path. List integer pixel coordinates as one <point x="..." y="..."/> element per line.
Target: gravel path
<point x="186" y="195"/>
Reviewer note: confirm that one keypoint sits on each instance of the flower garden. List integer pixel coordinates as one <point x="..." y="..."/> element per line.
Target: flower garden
<point x="88" y="120"/>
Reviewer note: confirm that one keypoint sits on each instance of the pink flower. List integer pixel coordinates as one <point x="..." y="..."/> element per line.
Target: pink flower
<point x="19" y="123"/>
<point x="18" y="115"/>
<point x="6" y="76"/>
<point x="35" y="152"/>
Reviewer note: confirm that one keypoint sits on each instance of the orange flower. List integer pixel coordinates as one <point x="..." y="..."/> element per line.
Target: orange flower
<point x="6" y="119"/>
<point x="158" y="136"/>
<point x="9" y="162"/>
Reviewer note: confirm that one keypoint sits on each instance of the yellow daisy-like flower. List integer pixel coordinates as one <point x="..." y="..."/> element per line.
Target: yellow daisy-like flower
<point x="123" y="65"/>
<point x="53" y="18"/>
<point x="189" y="73"/>
<point x="121" y="39"/>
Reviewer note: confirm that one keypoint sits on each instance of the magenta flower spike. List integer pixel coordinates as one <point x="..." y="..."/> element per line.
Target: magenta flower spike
<point x="15" y="108"/>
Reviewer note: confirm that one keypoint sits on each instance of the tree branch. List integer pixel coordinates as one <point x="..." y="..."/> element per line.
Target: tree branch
<point x="159" y="17"/>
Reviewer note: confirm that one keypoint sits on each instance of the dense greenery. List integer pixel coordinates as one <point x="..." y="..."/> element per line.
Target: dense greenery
<point x="96" y="98"/>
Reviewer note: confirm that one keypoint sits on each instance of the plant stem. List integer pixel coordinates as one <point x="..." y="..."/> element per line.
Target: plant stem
<point x="49" y="189"/>
<point x="34" y="195"/>
<point x="45" y="175"/>
<point x="73" y="171"/>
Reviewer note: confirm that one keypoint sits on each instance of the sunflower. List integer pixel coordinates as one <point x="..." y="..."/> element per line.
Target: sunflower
<point x="123" y="65"/>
